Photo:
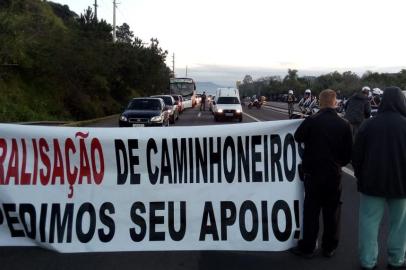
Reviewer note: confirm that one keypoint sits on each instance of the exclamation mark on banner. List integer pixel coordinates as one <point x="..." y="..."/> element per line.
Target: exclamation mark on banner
<point x="297" y="220"/>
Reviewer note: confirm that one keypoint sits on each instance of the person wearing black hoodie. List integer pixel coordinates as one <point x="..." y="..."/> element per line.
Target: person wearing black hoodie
<point x="379" y="161"/>
<point x="357" y="109"/>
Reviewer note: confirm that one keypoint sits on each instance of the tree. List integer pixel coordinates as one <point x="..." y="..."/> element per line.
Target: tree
<point x="292" y="75"/>
<point x="247" y="79"/>
<point x="124" y="34"/>
<point x="67" y="66"/>
<point x="87" y="17"/>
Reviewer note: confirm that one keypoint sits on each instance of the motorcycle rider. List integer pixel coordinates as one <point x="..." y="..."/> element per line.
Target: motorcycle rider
<point x="308" y="102"/>
<point x="357" y="109"/>
<point x="254" y="102"/>
<point x="291" y="99"/>
<point x="376" y="98"/>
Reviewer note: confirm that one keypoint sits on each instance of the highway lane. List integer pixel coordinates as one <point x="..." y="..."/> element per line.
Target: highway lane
<point x="195" y="117"/>
<point x="346" y="256"/>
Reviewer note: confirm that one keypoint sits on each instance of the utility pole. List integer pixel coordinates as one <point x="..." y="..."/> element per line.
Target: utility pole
<point x="95" y="9"/>
<point x="173" y="65"/>
<point x="186" y="72"/>
<point x="114" y="21"/>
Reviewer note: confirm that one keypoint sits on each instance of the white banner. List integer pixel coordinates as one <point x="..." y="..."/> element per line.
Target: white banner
<point x="227" y="187"/>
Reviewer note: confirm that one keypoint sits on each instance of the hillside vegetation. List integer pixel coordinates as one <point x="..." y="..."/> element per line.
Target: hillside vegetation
<point x="56" y="65"/>
<point x="345" y="83"/>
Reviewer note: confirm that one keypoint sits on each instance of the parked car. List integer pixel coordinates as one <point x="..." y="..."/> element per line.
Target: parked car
<point x="144" y="112"/>
<point x="179" y="103"/>
<point x="171" y="107"/>
<point x="227" y="105"/>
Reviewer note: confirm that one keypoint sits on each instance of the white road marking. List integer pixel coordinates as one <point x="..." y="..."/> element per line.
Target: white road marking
<point x="252" y="117"/>
<point x="276" y="110"/>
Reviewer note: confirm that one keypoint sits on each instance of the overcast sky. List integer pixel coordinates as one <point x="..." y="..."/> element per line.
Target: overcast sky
<point x="222" y="40"/>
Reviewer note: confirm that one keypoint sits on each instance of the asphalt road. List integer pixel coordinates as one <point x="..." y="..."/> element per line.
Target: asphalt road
<point x="345" y="258"/>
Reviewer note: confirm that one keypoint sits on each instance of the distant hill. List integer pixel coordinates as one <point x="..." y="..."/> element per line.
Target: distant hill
<point x="209" y="87"/>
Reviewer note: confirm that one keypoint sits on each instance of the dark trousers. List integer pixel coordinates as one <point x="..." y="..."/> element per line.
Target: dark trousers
<point x="322" y="194"/>
<point x="354" y="130"/>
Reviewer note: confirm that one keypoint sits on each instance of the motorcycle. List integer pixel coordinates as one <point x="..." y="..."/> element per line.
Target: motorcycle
<point x="374" y="111"/>
<point x="306" y="112"/>
<point x="255" y="103"/>
<point x="340" y="106"/>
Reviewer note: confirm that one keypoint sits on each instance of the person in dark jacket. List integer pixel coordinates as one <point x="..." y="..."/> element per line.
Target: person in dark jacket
<point x="203" y="101"/>
<point x="357" y="109"/>
<point x="327" y="142"/>
<point x="379" y="160"/>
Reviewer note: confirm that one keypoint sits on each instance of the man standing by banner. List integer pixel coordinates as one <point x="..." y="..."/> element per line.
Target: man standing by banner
<point x="379" y="164"/>
<point x="327" y="143"/>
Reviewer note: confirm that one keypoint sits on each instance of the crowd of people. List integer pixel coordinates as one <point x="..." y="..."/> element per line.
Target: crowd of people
<point x="376" y="148"/>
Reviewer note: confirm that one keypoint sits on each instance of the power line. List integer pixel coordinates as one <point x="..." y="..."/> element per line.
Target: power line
<point x="122" y="14"/>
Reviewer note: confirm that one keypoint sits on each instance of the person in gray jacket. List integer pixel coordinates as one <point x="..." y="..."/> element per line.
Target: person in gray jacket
<point x="357" y="109"/>
<point x="379" y="161"/>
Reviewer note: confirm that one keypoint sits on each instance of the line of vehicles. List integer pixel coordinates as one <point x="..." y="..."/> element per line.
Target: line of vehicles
<point x="160" y="110"/>
<point x="164" y="110"/>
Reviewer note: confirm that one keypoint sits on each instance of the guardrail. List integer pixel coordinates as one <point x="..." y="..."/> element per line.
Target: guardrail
<point x="68" y="123"/>
<point x="43" y="123"/>
<point x="91" y="121"/>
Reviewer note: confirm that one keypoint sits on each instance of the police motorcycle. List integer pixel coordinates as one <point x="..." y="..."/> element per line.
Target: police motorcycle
<point x="254" y="102"/>
<point x="308" y="106"/>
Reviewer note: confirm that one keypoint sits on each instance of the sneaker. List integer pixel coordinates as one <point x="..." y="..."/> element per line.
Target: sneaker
<point x="402" y="266"/>
<point x="299" y="252"/>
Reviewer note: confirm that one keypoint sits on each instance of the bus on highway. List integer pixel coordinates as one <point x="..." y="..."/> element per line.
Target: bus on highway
<point x="185" y="87"/>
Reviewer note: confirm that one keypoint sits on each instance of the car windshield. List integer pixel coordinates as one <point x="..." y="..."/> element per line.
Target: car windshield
<point x="144" y="105"/>
<point x="176" y="97"/>
<point x="228" y="100"/>
<point x="167" y="99"/>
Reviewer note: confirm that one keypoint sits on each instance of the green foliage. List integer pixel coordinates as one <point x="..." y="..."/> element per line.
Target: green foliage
<point x="346" y="83"/>
<point x="55" y="64"/>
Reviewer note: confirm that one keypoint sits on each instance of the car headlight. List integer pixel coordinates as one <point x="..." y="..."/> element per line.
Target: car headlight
<point x="238" y="111"/>
<point x="156" y="118"/>
<point x="123" y="118"/>
<point x="220" y="110"/>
